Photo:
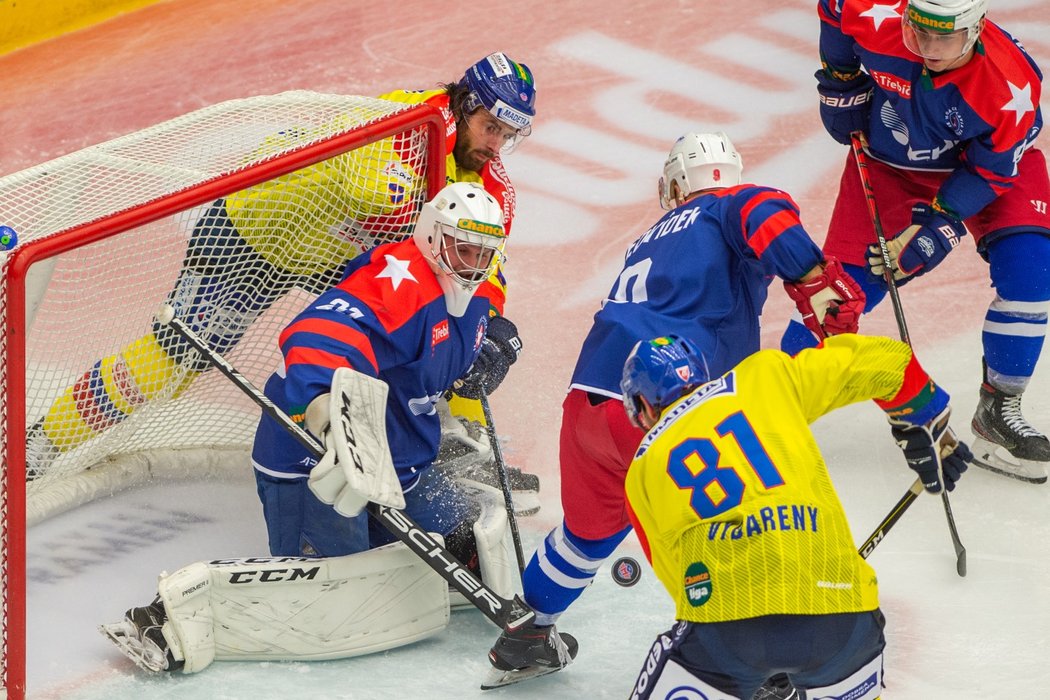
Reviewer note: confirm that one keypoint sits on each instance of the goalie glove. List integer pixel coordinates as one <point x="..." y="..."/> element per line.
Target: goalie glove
<point x="357" y="466"/>
<point x="830" y="303"/>
<point x="933" y="451"/>
<point x="499" y="350"/>
<point x="920" y="247"/>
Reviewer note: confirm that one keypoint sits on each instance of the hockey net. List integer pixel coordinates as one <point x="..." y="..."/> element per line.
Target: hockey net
<point x="235" y="215"/>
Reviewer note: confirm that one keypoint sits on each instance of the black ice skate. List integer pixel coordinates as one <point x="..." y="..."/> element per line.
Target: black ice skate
<point x="778" y="687"/>
<point x="526" y="651"/>
<point x="1005" y="443"/>
<point x="140" y="636"/>
<point x="40" y="451"/>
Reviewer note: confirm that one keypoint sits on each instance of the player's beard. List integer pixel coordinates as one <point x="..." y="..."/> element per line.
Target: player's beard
<point x="467" y="154"/>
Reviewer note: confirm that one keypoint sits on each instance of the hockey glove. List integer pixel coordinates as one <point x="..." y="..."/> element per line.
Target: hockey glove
<point x="933" y="451"/>
<point x="830" y="303"/>
<point x="919" y="248"/>
<point x="845" y="105"/>
<point x="499" y="350"/>
<point x="357" y="466"/>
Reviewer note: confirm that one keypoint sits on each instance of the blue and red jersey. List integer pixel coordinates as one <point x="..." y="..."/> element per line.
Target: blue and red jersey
<point x="976" y="120"/>
<point x="387" y="318"/>
<point x="702" y="272"/>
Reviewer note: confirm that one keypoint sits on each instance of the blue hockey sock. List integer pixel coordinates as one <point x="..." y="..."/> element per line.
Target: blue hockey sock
<point x="564" y="564"/>
<point x="1015" y="324"/>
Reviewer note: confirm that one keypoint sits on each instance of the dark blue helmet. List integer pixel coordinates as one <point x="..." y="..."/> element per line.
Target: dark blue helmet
<point x="503" y="87"/>
<point x="661" y="371"/>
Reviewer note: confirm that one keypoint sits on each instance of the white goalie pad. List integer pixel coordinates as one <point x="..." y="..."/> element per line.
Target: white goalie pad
<point x="357" y="466"/>
<point x="297" y="608"/>
<point x="496" y="559"/>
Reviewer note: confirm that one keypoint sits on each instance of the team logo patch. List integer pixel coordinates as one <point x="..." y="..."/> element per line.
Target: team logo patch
<point x="479" y="336"/>
<point x="954" y="120"/>
<point x="697" y="584"/>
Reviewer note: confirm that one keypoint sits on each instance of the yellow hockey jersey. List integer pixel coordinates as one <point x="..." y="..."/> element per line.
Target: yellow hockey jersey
<point x="731" y="496"/>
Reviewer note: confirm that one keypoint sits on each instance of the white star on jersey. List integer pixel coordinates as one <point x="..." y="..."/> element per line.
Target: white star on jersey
<point x="396" y="270"/>
<point x="1020" y="101"/>
<point x="881" y="13"/>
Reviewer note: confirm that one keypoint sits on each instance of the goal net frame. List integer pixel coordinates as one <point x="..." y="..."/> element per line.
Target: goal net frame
<point x="45" y="245"/>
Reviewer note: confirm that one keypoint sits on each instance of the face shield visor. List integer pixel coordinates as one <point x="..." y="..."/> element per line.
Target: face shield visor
<point x="470" y="250"/>
<point x="934" y="39"/>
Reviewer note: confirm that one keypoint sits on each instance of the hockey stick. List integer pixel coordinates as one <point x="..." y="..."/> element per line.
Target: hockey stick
<point x="858" y="143"/>
<point x="504" y="481"/>
<point x="401" y="526"/>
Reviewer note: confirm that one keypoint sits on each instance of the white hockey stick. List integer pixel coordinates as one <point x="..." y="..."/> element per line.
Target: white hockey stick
<point x="495" y="607"/>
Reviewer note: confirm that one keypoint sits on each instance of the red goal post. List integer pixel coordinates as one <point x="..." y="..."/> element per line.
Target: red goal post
<point x="104" y="237"/>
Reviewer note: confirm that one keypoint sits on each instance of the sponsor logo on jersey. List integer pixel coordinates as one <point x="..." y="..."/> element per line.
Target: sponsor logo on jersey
<point x="439" y="333"/>
<point x="892" y="83"/>
<point x="697" y="584"/>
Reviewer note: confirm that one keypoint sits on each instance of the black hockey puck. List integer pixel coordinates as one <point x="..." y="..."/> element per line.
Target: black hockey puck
<point x="626" y="572"/>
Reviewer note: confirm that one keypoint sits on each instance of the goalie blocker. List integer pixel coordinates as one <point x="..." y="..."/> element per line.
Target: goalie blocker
<point x="300" y="608"/>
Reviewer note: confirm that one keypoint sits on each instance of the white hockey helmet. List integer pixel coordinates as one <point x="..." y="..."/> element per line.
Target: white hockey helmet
<point x="700" y="162"/>
<point x="932" y="26"/>
<point x="460" y="233"/>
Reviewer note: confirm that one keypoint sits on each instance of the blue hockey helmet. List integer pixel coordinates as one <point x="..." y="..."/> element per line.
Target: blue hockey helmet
<point x="505" y="88"/>
<point x="661" y="371"/>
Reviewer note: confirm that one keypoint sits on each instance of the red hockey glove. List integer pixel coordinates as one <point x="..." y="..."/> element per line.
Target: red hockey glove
<point x="830" y="303"/>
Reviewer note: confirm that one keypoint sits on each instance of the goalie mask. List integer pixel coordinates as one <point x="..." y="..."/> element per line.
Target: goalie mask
<point x="460" y="233"/>
<point x="507" y="90"/>
<point x="942" y="30"/>
<point x="661" y="371"/>
<point x="699" y="162"/>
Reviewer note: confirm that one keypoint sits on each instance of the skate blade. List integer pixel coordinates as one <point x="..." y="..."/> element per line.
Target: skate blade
<point x="996" y="458"/>
<point x="149" y="660"/>
<point x="498" y="679"/>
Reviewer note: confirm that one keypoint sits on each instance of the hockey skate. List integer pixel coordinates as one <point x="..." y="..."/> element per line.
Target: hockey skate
<point x="140" y="637"/>
<point x="526" y="651"/>
<point x="466" y="454"/>
<point x="778" y="687"/>
<point x="40" y="451"/>
<point x="1005" y="443"/>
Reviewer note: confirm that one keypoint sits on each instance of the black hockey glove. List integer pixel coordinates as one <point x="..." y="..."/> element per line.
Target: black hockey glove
<point x="499" y="350"/>
<point x="845" y="104"/>
<point x="933" y="451"/>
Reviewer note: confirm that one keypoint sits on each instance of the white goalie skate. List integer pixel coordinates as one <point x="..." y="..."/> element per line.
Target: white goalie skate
<point x="1004" y="441"/>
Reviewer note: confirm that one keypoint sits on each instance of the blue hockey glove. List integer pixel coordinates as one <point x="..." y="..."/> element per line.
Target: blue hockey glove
<point x="919" y="248"/>
<point x="845" y="105"/>
<point x="933" y="451"/>
<point x="499" y="350"/>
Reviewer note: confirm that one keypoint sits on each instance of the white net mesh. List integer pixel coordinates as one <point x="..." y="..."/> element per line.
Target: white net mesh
<point x="104" y="384"/>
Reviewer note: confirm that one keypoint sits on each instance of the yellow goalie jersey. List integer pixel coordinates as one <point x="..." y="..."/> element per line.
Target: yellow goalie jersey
<point x="732" y="499"/>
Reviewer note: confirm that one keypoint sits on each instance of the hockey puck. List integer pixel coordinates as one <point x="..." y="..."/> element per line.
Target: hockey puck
<point x="8" y="238"/>
<point x="626" y="572"/>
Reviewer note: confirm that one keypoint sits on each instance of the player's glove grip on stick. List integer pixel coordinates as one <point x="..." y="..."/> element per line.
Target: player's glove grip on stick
<point x="845" y="103"/>
<point x="830" y="303"/>
<point x="499" y="350"/>
<point x="933" y="451"/>
<point x="357" y="466"/>
<point x="920" y="247"/>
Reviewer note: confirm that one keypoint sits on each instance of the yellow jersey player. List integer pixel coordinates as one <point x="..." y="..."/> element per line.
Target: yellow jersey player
<point x="734" y="507"/>
<point x="251" y="248"/>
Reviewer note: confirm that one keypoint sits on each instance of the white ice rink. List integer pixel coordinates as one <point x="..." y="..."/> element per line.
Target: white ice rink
<point x="617" y="82"/>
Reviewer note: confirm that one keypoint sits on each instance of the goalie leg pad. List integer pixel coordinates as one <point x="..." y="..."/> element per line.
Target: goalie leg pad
<point x="310" y="609"/>
<point x="189" y="629"/>
<point x="496" y="558"/>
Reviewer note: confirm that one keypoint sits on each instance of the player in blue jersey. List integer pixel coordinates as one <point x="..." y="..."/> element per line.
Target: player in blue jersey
<point x="701" y="272"/>
<point x="949" y="103"/>
<point x="364" y="366"/>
